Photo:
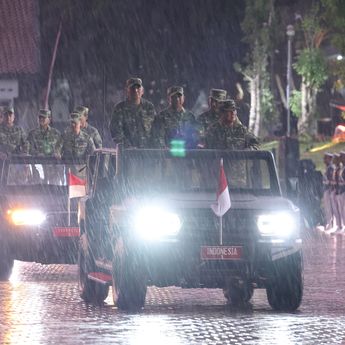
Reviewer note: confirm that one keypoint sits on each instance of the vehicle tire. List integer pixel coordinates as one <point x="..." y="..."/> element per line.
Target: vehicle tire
<point x="238" y="294"/>
<point x="90" y="291"/>
<point x="129" y="279"/>
<point x="285" y="289"/>
<point x="6" y="266"/>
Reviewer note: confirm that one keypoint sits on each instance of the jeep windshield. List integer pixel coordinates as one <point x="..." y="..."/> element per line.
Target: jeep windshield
<point x="30" y="171"/>
<point x="158" y="171"/>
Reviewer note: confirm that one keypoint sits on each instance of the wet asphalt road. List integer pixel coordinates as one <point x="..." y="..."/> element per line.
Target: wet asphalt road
<point x="41" y="305"/>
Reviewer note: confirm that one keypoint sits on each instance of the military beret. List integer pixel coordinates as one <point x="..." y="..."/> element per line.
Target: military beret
<point x="81" y="110"/>
<point x="134" y="81"/>
<point x="218" y="94"/>
<point x="44" y="113"/>
<point x="173" y="90"/>
<point x="228" y="104"/>
<point x="9" y="110"/>
<point x="75" y="117"/>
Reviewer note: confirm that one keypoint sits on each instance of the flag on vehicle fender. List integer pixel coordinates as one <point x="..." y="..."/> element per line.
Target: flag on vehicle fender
<point x="76" y="186"/>
<point x="223" y="196"/>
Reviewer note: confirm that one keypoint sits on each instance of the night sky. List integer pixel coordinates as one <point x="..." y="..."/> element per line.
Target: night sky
<point x="189" y="42"/>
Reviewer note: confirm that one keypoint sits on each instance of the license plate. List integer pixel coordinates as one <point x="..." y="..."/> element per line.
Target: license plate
<point x="66" y="232"/>
<point x="221" y="252"/>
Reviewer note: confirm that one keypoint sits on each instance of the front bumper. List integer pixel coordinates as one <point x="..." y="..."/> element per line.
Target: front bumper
<point x="48" y="243"/>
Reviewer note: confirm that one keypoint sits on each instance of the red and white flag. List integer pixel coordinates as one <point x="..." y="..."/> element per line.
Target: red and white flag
<point x="223" y="196"/>
<point x="76" y="186"/>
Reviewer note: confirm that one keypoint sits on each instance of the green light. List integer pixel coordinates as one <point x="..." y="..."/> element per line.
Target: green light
<point x="177" y="148"/>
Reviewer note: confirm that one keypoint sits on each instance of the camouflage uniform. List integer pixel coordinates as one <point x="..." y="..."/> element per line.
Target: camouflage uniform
<point x="90" y="130"/>
<point x="234" y="137"/>
<point x="45" y="142"/>
<point x="207" y="118"/>
<point x="171" y="124"/>
<point x="13" y="139"/>
<point x="131" y="124"/>
<point x="77" y="146"/>
<point x="230" y="136"/>
<point x="94" y="134"/>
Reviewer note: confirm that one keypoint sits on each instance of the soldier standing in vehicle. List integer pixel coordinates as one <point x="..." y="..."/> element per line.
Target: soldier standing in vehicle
<point x="12" y="137"/>
<point x="45" y="140"/>
<point x="86" y="127"/>
<point x="132" y="119"/>
<point x="76" y="143"/>
<point x="228" y="132"/>
<point x="212" y="114"/>
<point x="175" y="122"/>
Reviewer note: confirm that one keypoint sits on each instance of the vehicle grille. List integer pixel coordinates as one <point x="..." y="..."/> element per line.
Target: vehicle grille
<point x="203" y="226"/>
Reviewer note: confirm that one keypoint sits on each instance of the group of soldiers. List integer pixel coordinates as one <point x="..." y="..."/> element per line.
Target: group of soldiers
<point x="334" y="193"/>
<point x="76" y="142"/>
<point x="134" y="123"/>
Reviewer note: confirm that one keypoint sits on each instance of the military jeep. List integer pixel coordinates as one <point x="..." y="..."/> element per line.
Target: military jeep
<point x="147" y="220"/>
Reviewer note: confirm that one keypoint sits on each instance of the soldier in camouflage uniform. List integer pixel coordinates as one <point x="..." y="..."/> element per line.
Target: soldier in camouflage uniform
<point x="86" y="127"/>
<point x="77" y="144"/>
<point x="132" y="119"/>
<point x="12" y="137"/>
<point x="45" y="140"/>
<point x="228" y="132"/>
<point x="212" y="114"/>
<point x="175" y="122"/>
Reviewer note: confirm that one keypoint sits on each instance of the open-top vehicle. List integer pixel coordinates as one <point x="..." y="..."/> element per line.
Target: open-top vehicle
<point x="38" y="220"/>
<point x="147" y="220"/>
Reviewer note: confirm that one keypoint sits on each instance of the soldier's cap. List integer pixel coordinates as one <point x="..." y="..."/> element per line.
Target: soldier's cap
<point x="81" y="110"/>
<point x="134" y="81"/>
<point x="328" y="154"/>
<point x="173" y="90"/>
<point x="44" y="113"/>
<point x="342" y="153"/>
<point x="9" y="110"/>
<point x="218" y="94"/>
<point x="336" y="155"/>
<point x="228" y="104"/>
<point x="75" y="117"/>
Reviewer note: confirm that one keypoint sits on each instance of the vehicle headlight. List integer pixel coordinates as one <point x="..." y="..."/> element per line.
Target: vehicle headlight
<point x="156" y="223"/>
<point x="26" y="216"/>
<point x="280" y="224"/>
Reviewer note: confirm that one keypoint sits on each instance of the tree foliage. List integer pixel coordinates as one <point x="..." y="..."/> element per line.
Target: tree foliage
<point x="312" y="66"/>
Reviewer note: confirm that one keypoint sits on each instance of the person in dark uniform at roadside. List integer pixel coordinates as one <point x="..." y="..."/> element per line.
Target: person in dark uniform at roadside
<point x="228" y="132"/>
<point x="327" y="189"/>
<point x="334" y="194"/>
<point x="310" y="192"/>
<point x="132" y="119"/>
<point x="175" y="122"/>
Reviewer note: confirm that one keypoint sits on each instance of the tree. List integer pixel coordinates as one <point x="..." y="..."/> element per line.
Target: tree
<point x="312" y="68"/>
<point x="258" y="26"/>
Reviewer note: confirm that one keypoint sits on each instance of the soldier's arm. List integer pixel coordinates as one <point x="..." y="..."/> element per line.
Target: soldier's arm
<point x="24" y="144"/>
<point x="158" y="133"/>
<point x="97" y="140"/>
<point x="32" y="149"/>
<point x="90" y="147"/>
<point x="58" y="145"/>
<point x="252" y="142"/>
<point x="116" y="126"/>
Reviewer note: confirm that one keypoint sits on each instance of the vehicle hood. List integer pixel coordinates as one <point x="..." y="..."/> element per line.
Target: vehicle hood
<point x="44" y="199"/>
<point x="205" y="200"/>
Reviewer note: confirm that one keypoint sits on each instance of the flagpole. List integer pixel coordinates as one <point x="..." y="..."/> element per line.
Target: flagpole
<point x="221" y="230"/>
<point x="68" y="201"/>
